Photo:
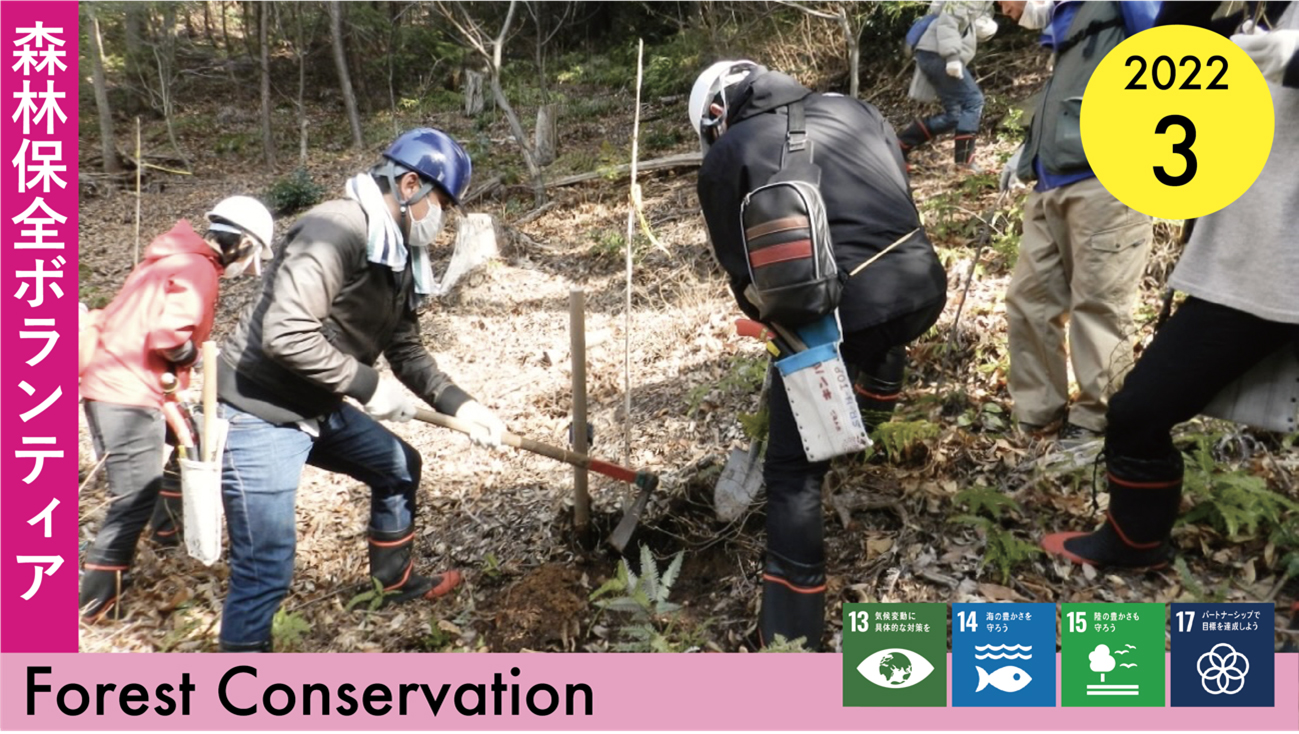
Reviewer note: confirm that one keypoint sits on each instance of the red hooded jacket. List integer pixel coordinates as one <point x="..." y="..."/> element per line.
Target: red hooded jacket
<point x="169" y="299"/>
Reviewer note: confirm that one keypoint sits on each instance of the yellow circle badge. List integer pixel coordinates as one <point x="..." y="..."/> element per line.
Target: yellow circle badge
<point x="1178" y="122"/>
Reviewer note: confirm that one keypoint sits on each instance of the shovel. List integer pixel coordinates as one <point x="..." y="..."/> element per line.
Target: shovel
<point x="742" y="476"/>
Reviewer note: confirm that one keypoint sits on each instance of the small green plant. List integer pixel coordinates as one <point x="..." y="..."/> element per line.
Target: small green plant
<point x="372" y="598"/>
<point x="492" y="566"/>
<point x="294" y="192"/>
<point x="436" y="640"/>
<point x="780" y="644"/>
<point x="1236" y="503"/>
<point x="1002" y="549"/>
<point x="287" y="630"/>
<point x="900" y="440"/>
<point x="645" y="599"/>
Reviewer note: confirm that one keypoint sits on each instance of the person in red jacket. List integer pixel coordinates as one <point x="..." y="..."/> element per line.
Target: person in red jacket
<point x="153" y="326"/>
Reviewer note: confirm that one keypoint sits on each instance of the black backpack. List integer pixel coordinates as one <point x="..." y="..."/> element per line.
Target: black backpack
<point x="787" y="238"/>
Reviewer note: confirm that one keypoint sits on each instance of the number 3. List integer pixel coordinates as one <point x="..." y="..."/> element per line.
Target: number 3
<point x="1183" y="149"/>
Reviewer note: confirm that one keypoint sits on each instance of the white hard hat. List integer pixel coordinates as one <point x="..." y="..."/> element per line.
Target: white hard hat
<point x="246" y="214"/>
<point x="714" y="79"/>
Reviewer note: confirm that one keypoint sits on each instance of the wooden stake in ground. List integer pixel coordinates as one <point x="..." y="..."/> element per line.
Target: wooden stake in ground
<point x="207" y="452"/>
<point x="577" y="329"/>
<point x="631" y="232"/>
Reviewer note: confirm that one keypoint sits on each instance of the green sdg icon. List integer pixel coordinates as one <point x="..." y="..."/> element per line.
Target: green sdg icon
<point x="1112" y="655"/>
<point x="894" y="654"/>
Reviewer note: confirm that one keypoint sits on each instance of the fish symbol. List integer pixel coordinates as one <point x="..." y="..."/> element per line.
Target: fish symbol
<point x="1008" y="679"/>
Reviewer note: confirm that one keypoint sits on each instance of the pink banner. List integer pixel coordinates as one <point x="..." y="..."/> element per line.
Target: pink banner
<point x="498" y="691"/>
<point x="38" y="326"/>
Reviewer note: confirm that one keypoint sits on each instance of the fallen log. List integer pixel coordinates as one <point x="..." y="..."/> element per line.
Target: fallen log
<point x="681" y="160"/>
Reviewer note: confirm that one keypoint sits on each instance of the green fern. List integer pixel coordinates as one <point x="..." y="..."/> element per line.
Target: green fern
<point x="645" y="599"/>
<point x="1236" y="503"/>
<point x="900" y="439"/>
<point x="984" y="499"/>
<point x="1002" y="549"/>
<point x="287" y="629"/>
<point x="780" y="644"/>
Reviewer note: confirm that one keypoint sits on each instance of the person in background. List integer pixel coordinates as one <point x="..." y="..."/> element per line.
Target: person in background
<point x="943" y="54"/>
<point x="1240" y="272"/>
<point x="153" y="327"/>
<point x="1083" y="251"/>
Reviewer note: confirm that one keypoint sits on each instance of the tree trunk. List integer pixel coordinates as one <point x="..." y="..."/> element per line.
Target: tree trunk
<point x="344" y="80"/>
<point x="225" y="30"/>
<point x="534" y="171"/>
<point x="107" y="140"/>
<point x="207" y="23"/>
<point x="302" y="88"/>
<point x="546" y="142"/>
<point x="852" y="41"/>
<point x="164" y="54"/>
<point x="264" y="48"/>
<point x="473" y="93"/>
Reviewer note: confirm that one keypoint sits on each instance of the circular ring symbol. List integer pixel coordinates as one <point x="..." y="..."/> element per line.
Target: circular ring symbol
<point x="1223" y="668"/>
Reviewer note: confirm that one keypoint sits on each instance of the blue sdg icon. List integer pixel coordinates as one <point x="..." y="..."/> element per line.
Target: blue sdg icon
<point x="1003" y="654"/>
<point x="1222" y="655"/>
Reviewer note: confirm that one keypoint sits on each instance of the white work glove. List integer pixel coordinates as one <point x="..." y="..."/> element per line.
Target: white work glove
<point x="390" y="402"/>
<point x="984" y="28"/>
<point x="954" y="68"/>
<point x="488" y="429"/>
<point x="1009" y="179"/>
<point x="1271" y="51"/>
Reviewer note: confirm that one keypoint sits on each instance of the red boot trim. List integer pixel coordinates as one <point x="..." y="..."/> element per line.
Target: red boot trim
<point x="1142" y="485"/>
<point x="793" y="588"/>
<point x="450" y="580"/>
<point x="1054" y="544"/>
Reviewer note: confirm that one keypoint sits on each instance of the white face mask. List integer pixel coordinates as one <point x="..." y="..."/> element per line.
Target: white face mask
<point x="424" y="231"/>
<point x="1037" y="14"/>
<point x="237" y="268"/>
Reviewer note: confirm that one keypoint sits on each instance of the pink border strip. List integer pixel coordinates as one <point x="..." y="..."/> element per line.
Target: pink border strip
<point x="47" y="620"/>
<point x="631" y="692"/>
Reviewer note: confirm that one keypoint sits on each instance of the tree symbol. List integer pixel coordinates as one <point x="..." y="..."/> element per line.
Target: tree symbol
<point x="1102" y="661"/>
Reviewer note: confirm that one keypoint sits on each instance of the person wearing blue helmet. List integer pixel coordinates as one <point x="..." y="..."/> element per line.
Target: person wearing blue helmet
<point x="341" y="291"/>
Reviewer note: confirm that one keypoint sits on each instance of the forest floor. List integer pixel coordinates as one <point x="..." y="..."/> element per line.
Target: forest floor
<point x="950" y="509"/>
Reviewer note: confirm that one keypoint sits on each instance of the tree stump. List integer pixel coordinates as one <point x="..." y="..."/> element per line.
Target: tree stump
<point x="473" y="93"/>
<point x="547" y="134"/>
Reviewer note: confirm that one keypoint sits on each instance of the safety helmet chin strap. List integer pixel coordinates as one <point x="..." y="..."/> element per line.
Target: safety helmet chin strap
<point x="392" y="170"/>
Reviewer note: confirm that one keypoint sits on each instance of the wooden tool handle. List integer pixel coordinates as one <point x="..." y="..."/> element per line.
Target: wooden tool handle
<point x="209" y="400"/>
<point x="614" y="471"/>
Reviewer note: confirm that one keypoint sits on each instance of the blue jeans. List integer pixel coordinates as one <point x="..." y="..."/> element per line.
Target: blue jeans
<point x="261" y="468"/>
<point x="961" y="99"/>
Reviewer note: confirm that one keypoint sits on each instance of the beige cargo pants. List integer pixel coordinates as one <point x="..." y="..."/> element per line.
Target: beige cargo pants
<point x="1080" y="265"/>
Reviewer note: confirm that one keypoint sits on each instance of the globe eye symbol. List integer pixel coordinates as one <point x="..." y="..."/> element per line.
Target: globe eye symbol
<point x="895" y="668"/>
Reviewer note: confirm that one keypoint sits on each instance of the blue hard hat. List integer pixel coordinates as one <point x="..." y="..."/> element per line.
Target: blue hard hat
<point x="436" y="157"/>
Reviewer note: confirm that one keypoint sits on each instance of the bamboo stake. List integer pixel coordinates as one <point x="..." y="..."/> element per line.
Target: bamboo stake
<point x="207" y="452"/>
<point x="631" y="231"/>
<point x="577" y="336"/>
<point x="139" y="169"/>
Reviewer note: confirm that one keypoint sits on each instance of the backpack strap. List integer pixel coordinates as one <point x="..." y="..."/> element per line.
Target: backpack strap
<point x="1092" y="29"/>
<point x="797" y="147"/>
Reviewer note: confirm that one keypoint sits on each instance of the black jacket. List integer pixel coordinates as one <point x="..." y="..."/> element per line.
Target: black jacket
<point x="1204" y="15"/>
<point x="868" y="202"/>
<point x="324" y="316"/>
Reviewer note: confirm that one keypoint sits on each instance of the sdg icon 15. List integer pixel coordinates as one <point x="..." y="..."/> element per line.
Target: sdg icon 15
<point x="1178" y="122"/>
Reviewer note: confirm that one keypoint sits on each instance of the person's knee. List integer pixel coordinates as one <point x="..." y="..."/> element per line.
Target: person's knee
<point x="414" y="464"/>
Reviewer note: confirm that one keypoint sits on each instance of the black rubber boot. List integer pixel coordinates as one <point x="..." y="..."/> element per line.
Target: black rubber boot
<point x="793" y="602"/>
<point x="877" y="391"/>
<point x="391" y="562"/>
<point x="914" y="136"/>
<point x="224" y="646"/>
<point x="964" y="152"/>
<point x="101" y="591"/>
<point x="1145" y="497"/>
